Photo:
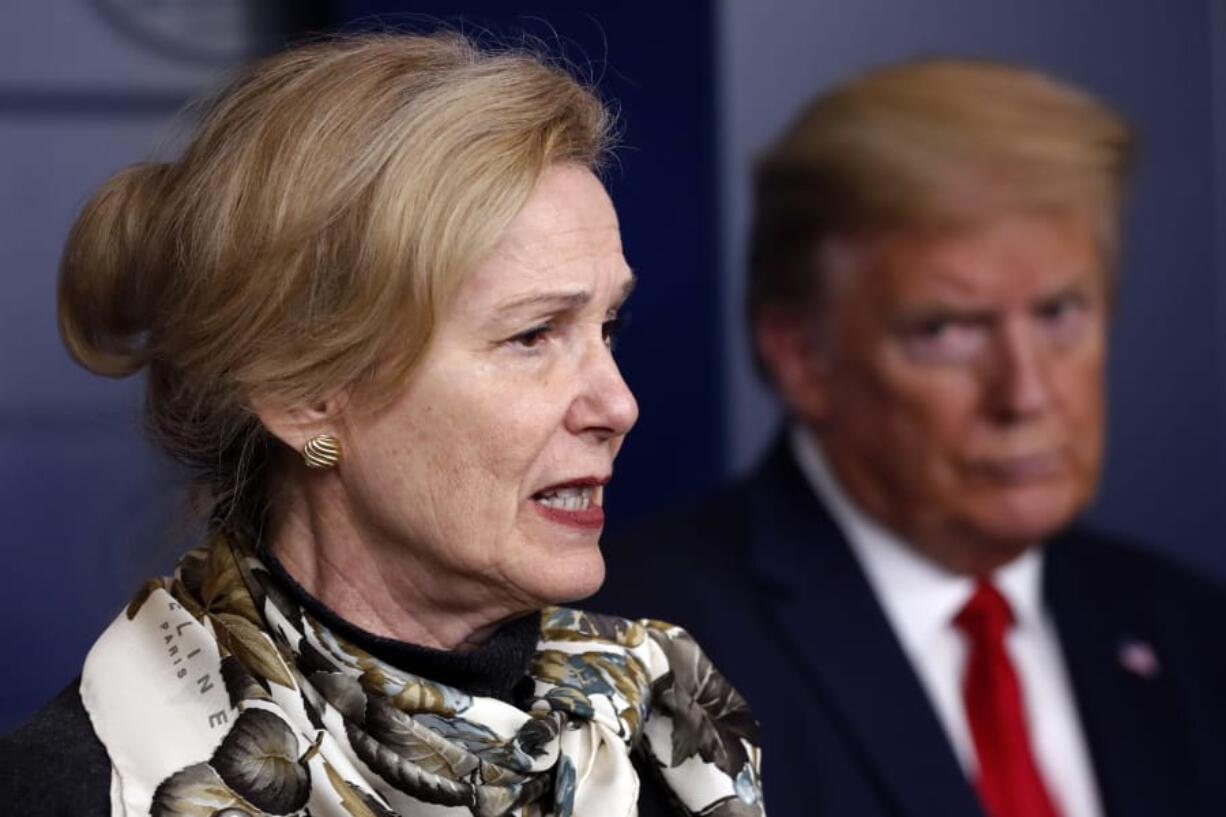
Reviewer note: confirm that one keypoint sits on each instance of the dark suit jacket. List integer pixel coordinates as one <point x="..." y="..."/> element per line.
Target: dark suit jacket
<point x="765" y="581"/>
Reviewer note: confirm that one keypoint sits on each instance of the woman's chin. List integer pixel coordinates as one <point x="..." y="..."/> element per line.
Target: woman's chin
<point x="565" y="578"/>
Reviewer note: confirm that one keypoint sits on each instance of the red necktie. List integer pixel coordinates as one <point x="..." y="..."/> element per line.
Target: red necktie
<point x="1009" y="781"/>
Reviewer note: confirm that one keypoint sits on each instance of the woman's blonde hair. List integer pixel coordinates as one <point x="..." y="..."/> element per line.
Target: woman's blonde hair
<point x="329" y="204"/>
<point x="930" y="143"/>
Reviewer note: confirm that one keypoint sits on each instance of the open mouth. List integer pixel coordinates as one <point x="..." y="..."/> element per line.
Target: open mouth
<point x="577" y="504"/>
<point x="569" y="499"/>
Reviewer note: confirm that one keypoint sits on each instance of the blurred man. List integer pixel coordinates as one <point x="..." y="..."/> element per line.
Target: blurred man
<point x="896" y="589"/>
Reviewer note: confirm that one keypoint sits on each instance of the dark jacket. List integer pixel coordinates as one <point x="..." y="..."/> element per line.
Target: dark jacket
<point x="763" y="578"/>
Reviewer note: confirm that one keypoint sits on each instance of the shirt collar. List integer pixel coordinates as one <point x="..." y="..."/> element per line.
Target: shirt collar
<point x="920" y="597"/>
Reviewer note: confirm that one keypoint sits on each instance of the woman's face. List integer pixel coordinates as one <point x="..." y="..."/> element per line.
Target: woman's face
<point x="483" y="480"/>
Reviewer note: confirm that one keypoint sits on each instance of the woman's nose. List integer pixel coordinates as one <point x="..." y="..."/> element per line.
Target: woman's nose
<point x="604" y="406"/>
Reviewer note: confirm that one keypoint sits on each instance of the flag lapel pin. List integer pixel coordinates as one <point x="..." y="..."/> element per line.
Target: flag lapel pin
<point x="1138" y="658"/>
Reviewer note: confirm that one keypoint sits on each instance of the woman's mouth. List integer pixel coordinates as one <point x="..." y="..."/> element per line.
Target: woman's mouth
<point x="576" y="504"/>
<point x="567" y="499"/>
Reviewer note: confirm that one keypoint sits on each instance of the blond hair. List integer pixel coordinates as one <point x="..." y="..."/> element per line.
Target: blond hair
<point x="930" y="143"/>
<point x="302" y="245"/>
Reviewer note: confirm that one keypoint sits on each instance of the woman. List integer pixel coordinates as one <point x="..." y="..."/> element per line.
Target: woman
<point x="375" y="300"/>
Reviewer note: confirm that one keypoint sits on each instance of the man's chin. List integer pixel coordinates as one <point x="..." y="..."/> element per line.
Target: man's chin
<point x="1016" y="525"/>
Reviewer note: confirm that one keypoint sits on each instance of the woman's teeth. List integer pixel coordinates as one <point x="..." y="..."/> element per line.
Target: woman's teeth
<point x="567" y="499"/>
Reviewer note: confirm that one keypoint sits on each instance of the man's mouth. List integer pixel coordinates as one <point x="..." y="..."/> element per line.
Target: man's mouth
<point x="1024" y="468"/>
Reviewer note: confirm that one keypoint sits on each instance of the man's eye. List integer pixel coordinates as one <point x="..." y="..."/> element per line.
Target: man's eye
<point x="1064" y="319"/>
<point x="1060" y="308"/>
<point x="533" y="337"/>
<point x="932" y="329"/>
<point x="1053" y="310"/>
<point x="944" y="341"/>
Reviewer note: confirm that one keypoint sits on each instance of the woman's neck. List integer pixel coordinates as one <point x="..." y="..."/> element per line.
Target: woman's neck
<point x="383" y="587"/>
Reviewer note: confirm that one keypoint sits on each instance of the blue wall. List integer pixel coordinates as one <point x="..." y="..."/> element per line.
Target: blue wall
<point x="89" y="508"/>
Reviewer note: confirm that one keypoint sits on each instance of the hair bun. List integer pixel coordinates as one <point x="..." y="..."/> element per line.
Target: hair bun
<point x="106" y="291"/>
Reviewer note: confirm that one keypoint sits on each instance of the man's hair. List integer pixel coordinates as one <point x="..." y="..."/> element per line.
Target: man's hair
<point x="928" y="144"/>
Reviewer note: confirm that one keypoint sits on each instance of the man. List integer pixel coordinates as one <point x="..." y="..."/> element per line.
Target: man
<point x="897" y="589"/>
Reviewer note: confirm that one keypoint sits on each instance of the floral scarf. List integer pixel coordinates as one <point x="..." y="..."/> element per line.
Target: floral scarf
<point x="216" y="695"/>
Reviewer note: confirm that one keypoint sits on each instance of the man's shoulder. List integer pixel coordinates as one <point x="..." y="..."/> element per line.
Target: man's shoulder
<point x="717" y="557"/>
<point x="1137" y="583"/>
<point x="722" y="520"/>
<point x="54" y="764"/>
<point x="719" y="516"/>
<point x="1117" y="561"/>
<point x="671" y="564"/>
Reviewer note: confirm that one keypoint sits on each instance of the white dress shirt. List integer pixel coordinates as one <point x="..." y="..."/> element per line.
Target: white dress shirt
<point x="921" y="599"/>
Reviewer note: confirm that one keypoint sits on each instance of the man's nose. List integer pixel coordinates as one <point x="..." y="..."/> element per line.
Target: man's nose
<point x="1018" y="387"/>
<point x="605" y="406"/>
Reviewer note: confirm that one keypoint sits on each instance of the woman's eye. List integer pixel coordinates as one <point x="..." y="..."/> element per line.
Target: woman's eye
<point x="610" y="329"/>
<point x="533" y="337"/>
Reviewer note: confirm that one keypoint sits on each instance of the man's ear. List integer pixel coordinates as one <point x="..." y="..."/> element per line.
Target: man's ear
<point x="295" y="424"/>
<point x="797" y="360"/>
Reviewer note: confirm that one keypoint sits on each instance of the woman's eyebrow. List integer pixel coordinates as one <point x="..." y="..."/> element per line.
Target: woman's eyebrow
<point x="559" y="300"/>
<point x="627" y="289"/>
<point x="554" y="300"/>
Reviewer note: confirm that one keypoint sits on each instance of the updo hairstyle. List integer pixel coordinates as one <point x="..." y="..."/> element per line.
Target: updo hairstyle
<point x="302" y="245"/>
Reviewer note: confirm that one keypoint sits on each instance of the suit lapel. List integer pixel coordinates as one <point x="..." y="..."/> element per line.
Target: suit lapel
<point x="839" y="636"/>
<point x="1124" y="698"/>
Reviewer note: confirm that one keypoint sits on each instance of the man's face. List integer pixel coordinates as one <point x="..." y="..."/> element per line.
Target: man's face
<point x="959" y="391"/>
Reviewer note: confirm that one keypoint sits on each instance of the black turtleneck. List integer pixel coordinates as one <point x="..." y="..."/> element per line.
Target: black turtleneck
<point x="494" y="669"/>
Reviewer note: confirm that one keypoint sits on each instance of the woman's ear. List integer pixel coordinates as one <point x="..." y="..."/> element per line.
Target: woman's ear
<point x="295" y="424"/>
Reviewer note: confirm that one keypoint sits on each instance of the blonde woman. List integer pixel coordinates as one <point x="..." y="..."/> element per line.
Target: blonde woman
<point x="374" y="301"/>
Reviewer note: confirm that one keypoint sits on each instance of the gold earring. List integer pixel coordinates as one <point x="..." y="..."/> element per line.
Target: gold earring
<point x="321" y="451"/>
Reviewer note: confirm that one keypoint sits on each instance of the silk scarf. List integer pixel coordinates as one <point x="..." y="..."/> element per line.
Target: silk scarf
<point x="217" y="695"/>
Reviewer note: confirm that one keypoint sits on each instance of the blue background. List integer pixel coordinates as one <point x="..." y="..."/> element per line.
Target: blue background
<point x="88" y="86"/>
